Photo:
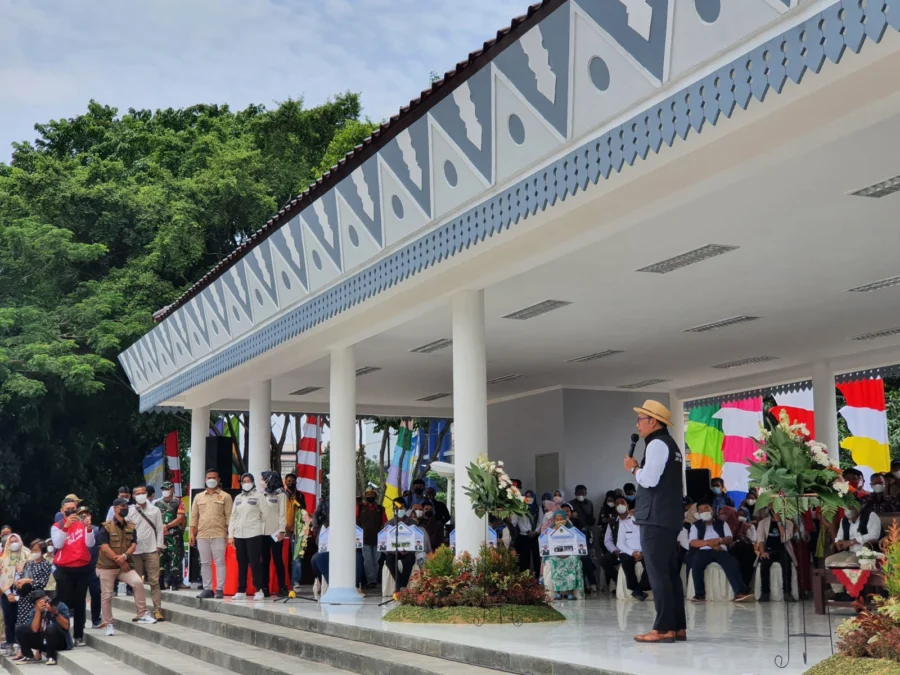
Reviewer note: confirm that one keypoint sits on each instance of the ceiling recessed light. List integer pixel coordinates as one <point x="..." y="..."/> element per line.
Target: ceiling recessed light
<point x="536" y="310"/>
<point x="878" y="334"/>
<point x="435" y="346"/>
<point x="706" y="327"/>
<point x="305" y="391"/>
<point x="595" y="356"/>
<point x="881" y="189"/>
<point x="365" y="370"/>
<point x="876" y="285"/>
<point x="689" y="258"/>
<point x="641" y="384"/>
<point x="505" y="378"/>
<point x="433" y="397"/>
<point x="746" y="362"/>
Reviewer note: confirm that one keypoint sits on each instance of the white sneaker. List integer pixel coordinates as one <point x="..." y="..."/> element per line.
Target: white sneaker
<point x="110" y="630"/>
<point x="147" y="618"/>
<point x="50" y="662"/>
<point x="259" y="597"/>
<point x="317" y="589"/>
<point x="239" y="596"/>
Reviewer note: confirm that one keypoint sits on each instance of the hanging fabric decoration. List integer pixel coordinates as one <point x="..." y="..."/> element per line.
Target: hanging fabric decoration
<point x="741" y="422"/>
<point x="392" y="482"/>
<point x="799" y="408"/>
<point x="308" y="460"/>
<point x="867" y="420"/>
<point x="173" y="461"/>
<point x="704" y="437"/>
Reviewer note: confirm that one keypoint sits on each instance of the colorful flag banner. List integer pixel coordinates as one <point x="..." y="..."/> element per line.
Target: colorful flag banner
<point x="704" y="437"/>
<point x="741" y="422"/>
<point x="173" y="461"/>
<point x="799" y="408"/>
<point x="866" y="418"/>
<point x="410" y="460"/>
<point x="392" y="482"/>
<point x="153" y="464"/>
<point x="308" y="460"/>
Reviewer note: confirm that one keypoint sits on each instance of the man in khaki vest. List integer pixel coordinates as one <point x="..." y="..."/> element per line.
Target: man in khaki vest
<point x="118" y="540"/>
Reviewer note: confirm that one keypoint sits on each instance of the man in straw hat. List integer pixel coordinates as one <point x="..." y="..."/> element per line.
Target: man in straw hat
<point x="659" y="513"/>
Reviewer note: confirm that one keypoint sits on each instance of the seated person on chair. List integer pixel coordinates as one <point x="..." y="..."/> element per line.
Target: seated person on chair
<point x="773" y="545"/>
<point x="856" y="530"/>
<point x="710" y="539"/>
<point x="563" y="574"/>
<point x="880" y="501"/>
<point x="623" y="540"/>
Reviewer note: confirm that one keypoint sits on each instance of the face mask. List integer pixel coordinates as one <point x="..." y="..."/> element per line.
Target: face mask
<point x="212" y="483"/>
<point x="557" y="500"/>
<point x="123" y="512"/>
<point x="717" y="490"/>
<point x="621" y="508"/>
<point x="140" y="499"/>
<point x="897" y="474"/>
<point x="15" y="546"/>
<point x="247" y="486"/>
<point x="751" y="502"/>
<point x="743" y="519"/>
<point x="418" y="513"/>
<point x="370" y="500"/>
<point x="401" y="513"/>
<point x="36" y="556"/>
<point x="529" y="500"/>
<point x="706" y="516"/>
<point x="579" y="497"/>
<point x="629" y="498"/>
<point x="878" y="489"/>
<point x="50" y="549"/>
<point x="851" y="514"/>
<point x="167" y="494"/>
<point x="427" y="515"/>
<point x="611" y="505"/>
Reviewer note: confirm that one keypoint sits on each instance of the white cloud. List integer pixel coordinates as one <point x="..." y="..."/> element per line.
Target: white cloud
<point x="56" y="55"/>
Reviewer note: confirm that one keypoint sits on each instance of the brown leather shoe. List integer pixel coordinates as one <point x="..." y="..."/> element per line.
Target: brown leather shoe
<point x="655" y="637"/>
<point x="681" y="635"/>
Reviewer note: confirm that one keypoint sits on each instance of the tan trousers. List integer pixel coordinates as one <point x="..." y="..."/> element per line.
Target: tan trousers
<point x="147" y="565"/>
<point x="108" y="579"/>
<point x="839" y="560"/>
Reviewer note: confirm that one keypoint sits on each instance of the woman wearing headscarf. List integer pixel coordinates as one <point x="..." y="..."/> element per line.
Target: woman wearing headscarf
<point x="563" y="574"/>
<point x="550" y="508"/>
<point x="607" y="509"/>
<point x="245" y="533"/>
<point x="529" y="526"/>
<point x="12" y="562"/>
<point x="272" y="544"/>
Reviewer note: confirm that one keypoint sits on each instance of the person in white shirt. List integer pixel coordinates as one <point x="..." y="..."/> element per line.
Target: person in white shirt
<point x="855" y="531"/>
<point x="623" y="541"/>
<point x="710" y="539"/>
<point x="147" y="521"/>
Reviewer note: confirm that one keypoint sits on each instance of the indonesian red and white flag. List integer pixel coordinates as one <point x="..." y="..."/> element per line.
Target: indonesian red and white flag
<point x="173" y="461"/>
<point x="308" y="459"/>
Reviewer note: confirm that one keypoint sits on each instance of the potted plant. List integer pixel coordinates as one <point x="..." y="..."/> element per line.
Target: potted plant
<point x="492" y="491"/>
<point x="868" y="559"/>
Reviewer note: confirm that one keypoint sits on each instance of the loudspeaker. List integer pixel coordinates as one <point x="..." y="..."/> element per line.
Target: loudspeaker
<point x="218" y="457"/>
<point x="698" y="483"/>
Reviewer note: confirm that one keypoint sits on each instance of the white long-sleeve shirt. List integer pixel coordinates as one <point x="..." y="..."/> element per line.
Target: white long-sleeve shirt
<point x="148" y="540"/>
<point x="655" y="458"/>
<point x="709" y="533"/>
<point x="628" y="538"/>
<point x="874" y="533"/>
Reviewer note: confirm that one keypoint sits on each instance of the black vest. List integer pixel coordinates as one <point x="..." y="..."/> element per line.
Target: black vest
<point x="717" y="525"/>
<point x="662" y="504"/>
<point x="862" y="525"/>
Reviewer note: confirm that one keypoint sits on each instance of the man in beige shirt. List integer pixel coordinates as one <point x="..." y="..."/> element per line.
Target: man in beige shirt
<point x="210" y="517"/>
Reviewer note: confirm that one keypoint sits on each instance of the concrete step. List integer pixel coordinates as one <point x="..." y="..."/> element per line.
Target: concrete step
<point x="81" y="661"/>
<point x="211" y="636"/>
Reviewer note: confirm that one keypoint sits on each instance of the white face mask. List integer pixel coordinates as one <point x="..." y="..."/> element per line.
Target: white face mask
<point x="418" y="513"/>
<point x="742" y="519"/>
<point x="50" y="549"/>
<point x="751" y="502"/>
<point x="579" y="497"/>
<point x="36" y="556"/>
<point x="705" y="516"/>
<point x="878" y="489"/>
<point x="140" y="499"/>
<point x="15" y="546"/>
<point x="167" y="494"/>
<point x="621" y="508"/>
<point x="610" y="504"/>
<point x="212" y="483"/>
<point x="247" y="486"/>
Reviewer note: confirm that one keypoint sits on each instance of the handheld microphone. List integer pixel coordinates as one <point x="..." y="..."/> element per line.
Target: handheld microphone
<point x="634" y="440"/>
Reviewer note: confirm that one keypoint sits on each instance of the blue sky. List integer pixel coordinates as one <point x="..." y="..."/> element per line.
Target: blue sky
<point x="55" y="55"/>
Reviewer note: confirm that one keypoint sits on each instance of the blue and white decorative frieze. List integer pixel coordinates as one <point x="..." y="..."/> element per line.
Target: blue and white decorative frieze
<point x="486" y="134"/>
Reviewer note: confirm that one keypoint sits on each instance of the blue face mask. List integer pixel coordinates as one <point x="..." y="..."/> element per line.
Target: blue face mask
<point x="630" y="498"/>
<point x="717" y="490"/>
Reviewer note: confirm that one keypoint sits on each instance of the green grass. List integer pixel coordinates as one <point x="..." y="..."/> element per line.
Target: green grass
<point x="844" y="665"/>
<point x="468" y="615"/>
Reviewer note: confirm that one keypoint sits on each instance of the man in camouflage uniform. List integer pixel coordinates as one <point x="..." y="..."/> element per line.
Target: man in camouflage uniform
<point x="172" y="559"/>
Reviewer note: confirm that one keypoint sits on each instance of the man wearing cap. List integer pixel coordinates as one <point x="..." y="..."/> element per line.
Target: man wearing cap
<point x="72" y="499"/>
<point x="172" y="559"/>
<point x="124" y="493"/>
<point x="659" y="513"/>
<point x="47" y="629"/>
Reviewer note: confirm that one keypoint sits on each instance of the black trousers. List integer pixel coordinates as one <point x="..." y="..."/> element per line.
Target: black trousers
<point x="529" y="554"/>
<point x="660" y="548"/>
<point x="609" y="562"/>
<point x="72" y="584"/>
<point x="703" y="559"/>
<point x="765" y="567"/>
<point x="272" y="550"/>
<point x="94" y="588"/>
<point x="249" y="554"/>
<point x="629" y="567"/>
<point x="52" y="640"/>
<point x="401" y="577"/>
<point x="745" y="555"/>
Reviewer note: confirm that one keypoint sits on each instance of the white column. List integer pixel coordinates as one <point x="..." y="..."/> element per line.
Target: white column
<point x="469" y="410"/>
<point x="825" y="408"/>
<point x="259" y="455"/>
<point x="342" y="482"/>
<point x="199" y="434"/>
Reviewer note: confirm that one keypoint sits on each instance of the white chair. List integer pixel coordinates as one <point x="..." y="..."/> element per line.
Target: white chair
<point x="717" y="587"/>
<point x="622" y="592"/>
<point x="776" y="589"/>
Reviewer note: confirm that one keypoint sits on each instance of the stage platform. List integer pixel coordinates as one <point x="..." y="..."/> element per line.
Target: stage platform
<point x="596" y="638"/>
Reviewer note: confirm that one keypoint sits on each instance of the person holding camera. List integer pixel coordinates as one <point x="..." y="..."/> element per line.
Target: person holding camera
<point x="47" y="629"/>
<point x="73" y="537"/>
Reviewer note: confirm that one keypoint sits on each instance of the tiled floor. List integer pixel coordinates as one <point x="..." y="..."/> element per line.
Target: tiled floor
<point x="724" y="637"/>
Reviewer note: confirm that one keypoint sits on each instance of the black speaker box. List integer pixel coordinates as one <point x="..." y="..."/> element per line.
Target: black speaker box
<point x="698" y="483"/>
<point x="218" y="457"/>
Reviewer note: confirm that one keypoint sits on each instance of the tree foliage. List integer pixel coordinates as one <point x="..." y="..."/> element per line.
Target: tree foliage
<point x="104" y="219"/>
